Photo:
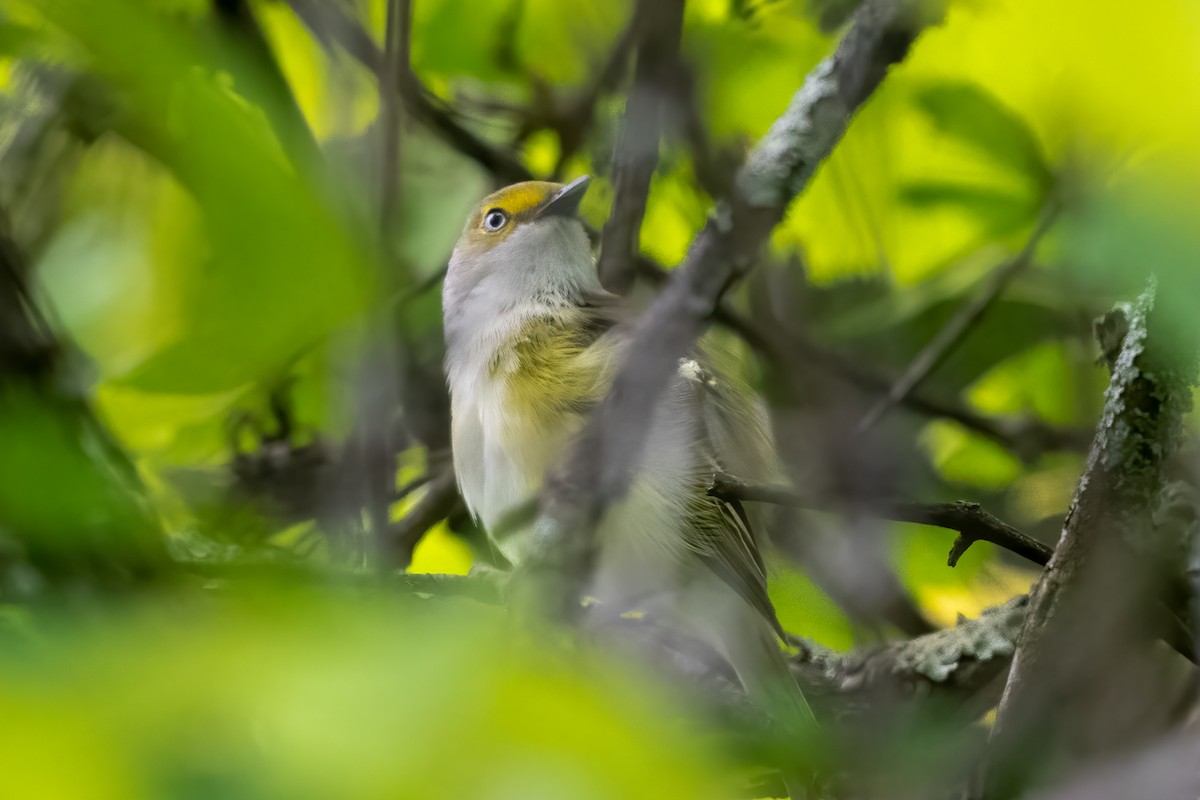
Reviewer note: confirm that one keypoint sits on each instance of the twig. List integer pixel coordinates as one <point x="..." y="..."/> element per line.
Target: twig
<point x="1027" y="437"/>
<point x="714" y="166"/>
<point x="410" y="487"/>
<point x="572" y="126"/>
<point x="440" y="501"/>
<point x="434" y="585"/>
<point x="396" y="62"/>
<point x="119" y="544"/>
<point x="478" y="588"/>
<point x="597" y="470"/>
<point x="380" y="362"/>
<point x="330" y="24"/>
<point x="972" y="523"/>
<point x="959" y="325"/>
<point x="659" y="24"/>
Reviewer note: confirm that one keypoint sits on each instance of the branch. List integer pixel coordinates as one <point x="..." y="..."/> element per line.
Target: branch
<point x="103" y="532"/>
<point x="573" y="120"/>
<point x="956" y="667"/>
<point x="1100" y="587"/>
<point x="440" y="501"/>
<point x="1027" y="437"/>
<point x="959" y="666"/>
<point x="660" y="25"/>
<point x="959" y="325"/>
<point x="27" y="346"/>
<point x="598" y="469"/>
<point x="1166" y="771"/>
<point x="972" y="522"/>
<point x="330" y="24"/>
<point x="396" y="62"/>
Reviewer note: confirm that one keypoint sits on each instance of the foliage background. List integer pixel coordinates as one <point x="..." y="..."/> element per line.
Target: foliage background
<point x="195" y="191"/>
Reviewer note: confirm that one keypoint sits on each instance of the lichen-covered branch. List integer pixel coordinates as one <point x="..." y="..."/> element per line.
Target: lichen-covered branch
<point x="1105" y="578"/>
<point x="598" y="469"/>
<point x="959" y="667"/>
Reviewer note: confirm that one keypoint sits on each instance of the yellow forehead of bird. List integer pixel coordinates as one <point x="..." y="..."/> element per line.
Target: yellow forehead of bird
<point x="518" y="202"/>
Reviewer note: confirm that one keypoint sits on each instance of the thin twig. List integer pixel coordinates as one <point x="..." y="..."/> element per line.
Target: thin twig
<point x="969" y="519"/>
<point x="573" y="125"/>
<point x="330" y="24"/>
<point x="396" y="60"/>
<point x="659" y="24"/>
<point x="959" y="325"/>
<point x="376" y="446"/>
<point x="440" y="501"/>
<point x="1027" y="437"/>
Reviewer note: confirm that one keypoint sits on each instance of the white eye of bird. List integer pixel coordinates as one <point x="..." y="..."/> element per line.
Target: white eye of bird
<point x="495" y="220"/>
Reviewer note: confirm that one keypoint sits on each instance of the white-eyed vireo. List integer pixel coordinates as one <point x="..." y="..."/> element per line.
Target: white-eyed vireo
<point x="532" y="342"/>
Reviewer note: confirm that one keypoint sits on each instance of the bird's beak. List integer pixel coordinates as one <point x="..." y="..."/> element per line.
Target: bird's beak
<point x="566" y="202"/>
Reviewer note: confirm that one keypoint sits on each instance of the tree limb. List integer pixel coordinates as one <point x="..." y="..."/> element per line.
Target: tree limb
<point x="659" y="24"/>
<point x="959" y="666"/>
<point x="1027" y="437"/>
<point x="597" y="470"/>
<point x="1092" y="602"/>
<point x="1167" y="770"/>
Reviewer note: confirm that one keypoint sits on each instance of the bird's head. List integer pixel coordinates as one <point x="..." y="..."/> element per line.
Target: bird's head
<point x="524" y="240"/>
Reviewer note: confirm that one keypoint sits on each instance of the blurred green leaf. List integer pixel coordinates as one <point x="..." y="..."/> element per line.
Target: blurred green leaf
<point x="964" y="457"/>
<point x="1000" y="211"/>
<point x="803" y="607"/>
<point x="283" y="265"/>
<point x="894" y="329"/>
<point x="967" y="112"/>
<point x="285" y="694"/>
<point x="62" y="495"/>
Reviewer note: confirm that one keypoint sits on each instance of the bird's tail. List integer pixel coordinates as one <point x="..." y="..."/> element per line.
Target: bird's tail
<point x="762" y="667"/>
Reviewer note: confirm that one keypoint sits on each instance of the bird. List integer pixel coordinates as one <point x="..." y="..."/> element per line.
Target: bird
<point x="533" y="341"/>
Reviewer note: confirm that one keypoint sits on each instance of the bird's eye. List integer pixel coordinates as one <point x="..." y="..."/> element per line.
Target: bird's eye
<point x="494" y="220"/>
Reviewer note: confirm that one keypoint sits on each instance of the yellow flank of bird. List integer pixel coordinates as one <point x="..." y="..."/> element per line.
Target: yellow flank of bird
<point x="551" y="367"/>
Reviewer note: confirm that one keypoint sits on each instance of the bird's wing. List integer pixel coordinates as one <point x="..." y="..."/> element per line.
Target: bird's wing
<point x="733" y="438"/>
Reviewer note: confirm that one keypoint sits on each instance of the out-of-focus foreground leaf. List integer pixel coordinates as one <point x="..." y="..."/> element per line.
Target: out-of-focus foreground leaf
<point x="297" y="696"/>
<point x="273" y="264"/>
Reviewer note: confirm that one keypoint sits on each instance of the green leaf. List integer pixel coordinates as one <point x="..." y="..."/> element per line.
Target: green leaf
<point x="277" y="264"/>
<point x="1002" y="211"/>
<point x="968" y="113"/>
